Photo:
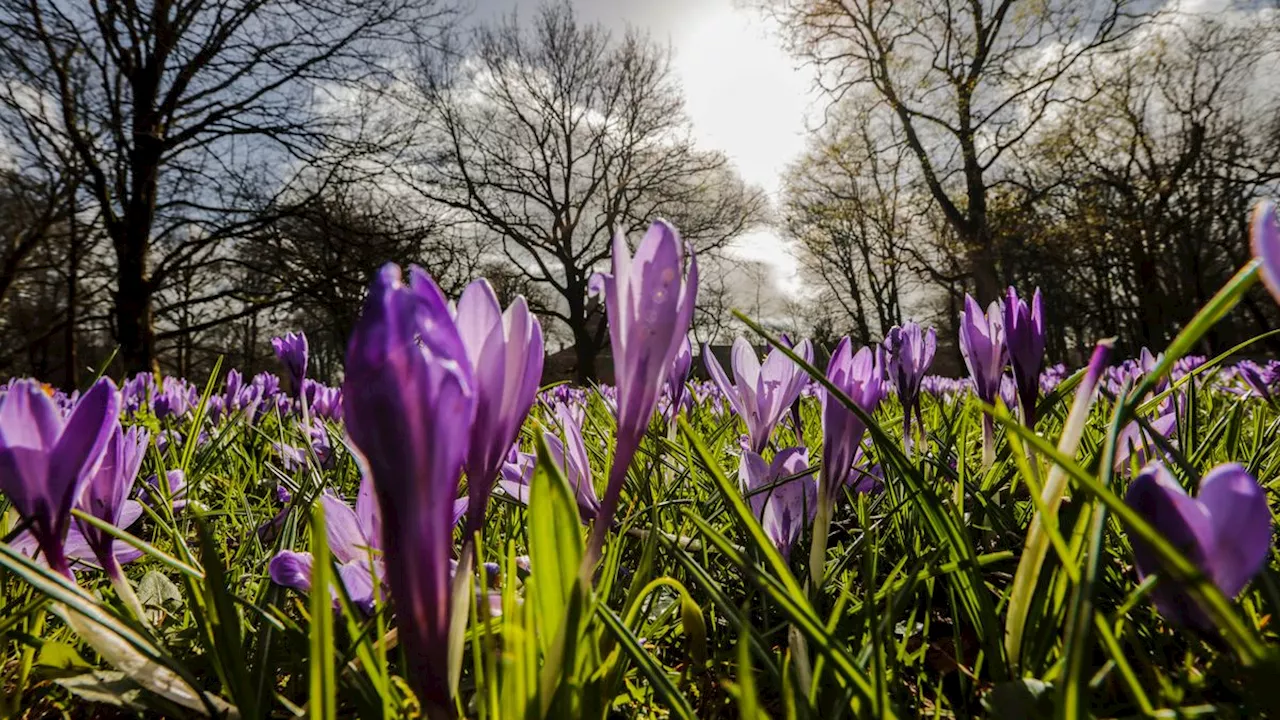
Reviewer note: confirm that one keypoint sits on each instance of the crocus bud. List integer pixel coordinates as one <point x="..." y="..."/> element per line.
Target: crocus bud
<point x="676" y="389"/>
<point x="505" y="352"/>
<point x="983" y="348"/>
<point x="909" y="352"/>
<point x="860" y="377"/>
<point x="292" y="352"/>
<point x="649" y="301"/>
<point x="1265" y="238"/>
<point x="409" y="401"/>
<point x="1225" y="531"/>
<point x="1024" y="338"/>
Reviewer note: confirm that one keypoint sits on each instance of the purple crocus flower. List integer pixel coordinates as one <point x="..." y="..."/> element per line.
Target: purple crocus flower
<point x="1264" y="234"/>
<point x="569" y="454"/>
<point x="106" y="495"/>
<point x="859" y="376"/>
<point x="1225" y="531"/>
<point x="292" y="352"/>
<point x="1135" y="445"/>
<point x="177" y="482"/>
<point x="677" y="392"/>
<point x="136" y="391"/>
<point x="983" y="347"/>
<point x="649" y="301"/>
<point x="175" y="399"/>
<point x="409" y="403"/>
<point x="865" y="478"/>
<point x="505" y="353"/>
<point x="354" y="540"/>
<point x="517" y="473"/>
<point x="45" y="461"/>
<point x="761" y="393"/>
<point x="1024" y="338"/>
<point x="908" y="353"/>
<point x="797" y="425"/>
<point x="784" y="508"/>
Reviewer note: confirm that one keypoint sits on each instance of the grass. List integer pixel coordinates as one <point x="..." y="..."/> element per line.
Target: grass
<point x="692" y="611"/>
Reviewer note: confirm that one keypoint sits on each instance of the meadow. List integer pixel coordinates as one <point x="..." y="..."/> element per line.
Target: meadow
<point x="441" y="537"/>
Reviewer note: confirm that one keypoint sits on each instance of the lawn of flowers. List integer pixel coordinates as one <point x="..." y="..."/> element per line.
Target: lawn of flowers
<point x="442" y="537"/>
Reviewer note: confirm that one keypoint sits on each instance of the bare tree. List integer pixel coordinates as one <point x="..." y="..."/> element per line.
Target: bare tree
<point x="551" y="136"/>
<point x="30" y="211"/>
<point x="320" y="256"/>
<point x="1157" y="175"/>
<point x="188" y="116"/>
<point x="851" y="206"/>
<point x="967" y="82"/>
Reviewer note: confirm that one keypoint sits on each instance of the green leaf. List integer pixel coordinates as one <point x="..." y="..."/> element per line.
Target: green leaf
<point x="220" y="622"/>
<point x="158" y="592"/>
<point x="555" y="544"/>
<point x="695" y="628"/>
<point x="1026" y="699"/>
<point x="108" y="687"/>
<point x="322" y="678"/>
<point x="662" y="685"/>
<point x="60" y="655"/>
<point x="557" y="590"/>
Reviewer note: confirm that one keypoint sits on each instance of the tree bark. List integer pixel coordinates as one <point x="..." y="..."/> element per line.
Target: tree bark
<point x="982" y="266"/>
<point x="134" y="330"/>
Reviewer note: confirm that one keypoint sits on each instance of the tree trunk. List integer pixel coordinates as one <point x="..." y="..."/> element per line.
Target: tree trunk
<point x="583" y="323"/>
<point x="982" y="266"/>
<point x="134" y="331"/>
<point x="584" y="348"/>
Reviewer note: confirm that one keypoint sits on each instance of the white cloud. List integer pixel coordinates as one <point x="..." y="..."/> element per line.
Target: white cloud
<point x="749" y="99"/>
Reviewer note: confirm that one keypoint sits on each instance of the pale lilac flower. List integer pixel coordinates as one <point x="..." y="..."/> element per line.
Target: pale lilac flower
<point x="46" y="461"/>
<point x="505" y="353"/>
<point x="649" y="301"/>
<point x="783" y="494"/>
<point x="761" y="393"/>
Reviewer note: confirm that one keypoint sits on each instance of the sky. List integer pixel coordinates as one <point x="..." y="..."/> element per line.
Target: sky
<point x="745" y="96"/>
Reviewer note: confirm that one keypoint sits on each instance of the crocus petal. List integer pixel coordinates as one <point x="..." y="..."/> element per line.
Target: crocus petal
<point x="291" y="569"/>
<point x="722" y="381"/>
<point x="753" y="473"/>
<point x="368" y="515"/>
<point x="130" y="511"/>
<point x="84" y="439"/>
<point x="1241" y="523"/>
<point x="29" y="427"/>
<point x="1265" y="240"/>
<point x="342" y="530"/>
<point x="358" y="582"/>
<point x="1134" y="445"/>
<point x="1185" y="523"/>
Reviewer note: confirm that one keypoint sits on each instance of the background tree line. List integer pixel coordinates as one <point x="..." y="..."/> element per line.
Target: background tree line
<point x="182" y="179"/>
<point x="1107" y="152"/>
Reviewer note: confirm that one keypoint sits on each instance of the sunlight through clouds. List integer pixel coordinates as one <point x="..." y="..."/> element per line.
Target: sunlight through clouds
<point x="749" y="99"/>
